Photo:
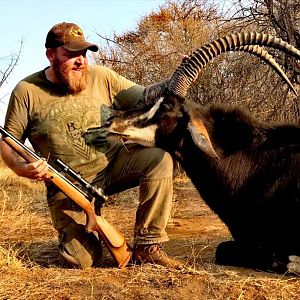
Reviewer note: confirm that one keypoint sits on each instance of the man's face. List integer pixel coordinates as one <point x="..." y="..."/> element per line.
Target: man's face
<point x="70" y="69"/>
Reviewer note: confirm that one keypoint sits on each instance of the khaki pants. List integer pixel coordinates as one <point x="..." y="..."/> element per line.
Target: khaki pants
<point x="149" y="168"/>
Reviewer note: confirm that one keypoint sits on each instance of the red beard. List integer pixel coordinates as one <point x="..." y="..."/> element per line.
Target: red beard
<point x="74" y="81"/>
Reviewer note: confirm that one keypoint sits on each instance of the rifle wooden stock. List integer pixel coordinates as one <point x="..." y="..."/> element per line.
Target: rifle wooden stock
<point x="112" y="238"/>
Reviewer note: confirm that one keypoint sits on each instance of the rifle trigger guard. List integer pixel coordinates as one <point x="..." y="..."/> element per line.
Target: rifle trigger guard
<point x="97" y="205"/>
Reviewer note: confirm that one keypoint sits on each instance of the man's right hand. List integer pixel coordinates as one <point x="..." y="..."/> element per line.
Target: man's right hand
<point x="35" y="170"/>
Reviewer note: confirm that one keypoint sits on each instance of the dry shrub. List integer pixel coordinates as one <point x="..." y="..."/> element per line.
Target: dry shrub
<point x="8" y="258"/>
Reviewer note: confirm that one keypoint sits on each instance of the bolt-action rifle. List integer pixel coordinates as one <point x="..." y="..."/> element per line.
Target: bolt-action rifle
<point x="112" y="238"/>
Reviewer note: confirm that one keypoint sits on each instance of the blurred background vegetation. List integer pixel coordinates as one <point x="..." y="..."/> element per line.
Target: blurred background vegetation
<point x="153" y="50"/>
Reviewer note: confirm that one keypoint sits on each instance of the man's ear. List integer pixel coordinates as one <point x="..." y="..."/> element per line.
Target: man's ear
<point x="200" y="135"/>
<point x="50" y="53"/>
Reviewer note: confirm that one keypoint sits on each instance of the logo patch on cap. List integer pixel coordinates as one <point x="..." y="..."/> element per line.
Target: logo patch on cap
<point x="76" y="32"/>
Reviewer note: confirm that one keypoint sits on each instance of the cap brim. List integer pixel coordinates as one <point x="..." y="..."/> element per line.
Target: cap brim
<point x="80" y="46"/>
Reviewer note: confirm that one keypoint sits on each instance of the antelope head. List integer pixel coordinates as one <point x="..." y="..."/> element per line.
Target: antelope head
<point x="166" y="121"/>
<point x="161" y="125"/>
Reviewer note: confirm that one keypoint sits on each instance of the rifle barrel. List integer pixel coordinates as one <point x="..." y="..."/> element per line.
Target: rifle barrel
<point x="37" y="157"/>
<point x="98" y="193"/>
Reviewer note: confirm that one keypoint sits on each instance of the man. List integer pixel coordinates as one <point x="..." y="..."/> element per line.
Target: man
<point x="53" y="108"/>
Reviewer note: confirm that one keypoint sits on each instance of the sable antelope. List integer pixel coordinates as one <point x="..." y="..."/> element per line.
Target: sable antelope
<point x="246" y="171"/>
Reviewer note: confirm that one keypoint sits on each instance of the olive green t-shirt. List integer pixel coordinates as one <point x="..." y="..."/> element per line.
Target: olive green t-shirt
<point x="54" y="121"/>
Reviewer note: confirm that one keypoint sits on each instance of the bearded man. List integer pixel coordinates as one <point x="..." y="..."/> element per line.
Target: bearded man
<point x="53" y="109"/>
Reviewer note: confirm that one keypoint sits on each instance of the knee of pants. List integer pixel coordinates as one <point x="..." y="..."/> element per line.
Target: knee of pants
<point x="163" y="165"/>
<point x="78" y="248"/>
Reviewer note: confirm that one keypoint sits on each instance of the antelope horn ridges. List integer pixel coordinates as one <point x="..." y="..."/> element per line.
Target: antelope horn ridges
<point x="189" y="70"/>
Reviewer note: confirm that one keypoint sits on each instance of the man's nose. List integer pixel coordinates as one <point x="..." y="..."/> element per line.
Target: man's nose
<point x="80" y="59"/>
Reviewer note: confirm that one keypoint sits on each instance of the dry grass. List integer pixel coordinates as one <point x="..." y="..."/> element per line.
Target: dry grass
<point x="30" y="269"/>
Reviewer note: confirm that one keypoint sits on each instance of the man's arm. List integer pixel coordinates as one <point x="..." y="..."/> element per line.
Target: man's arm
<point x="16" y="120"/>
<point x="36" y="170"/>
<point x="128" y="95"/>
<point x="153" y="92"/>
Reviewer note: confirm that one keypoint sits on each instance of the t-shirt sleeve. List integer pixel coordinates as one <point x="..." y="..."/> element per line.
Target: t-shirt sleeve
<point x="126" y="93"/>
<point x="16" y="119"/>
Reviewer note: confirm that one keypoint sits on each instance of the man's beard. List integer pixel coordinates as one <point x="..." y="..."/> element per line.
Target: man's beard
<point x="74" y="82"/>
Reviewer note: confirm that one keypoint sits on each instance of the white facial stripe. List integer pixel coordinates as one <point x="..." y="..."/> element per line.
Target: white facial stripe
<point x="154" y="109"/>
<point x="143" y="136"/>
<point x="146" y="116"/>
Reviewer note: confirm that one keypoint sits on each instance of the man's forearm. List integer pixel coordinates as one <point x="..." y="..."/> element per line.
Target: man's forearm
<point x="10" y="157"/>
<point x="35" y="170"/>
<point x="153" y="92"/>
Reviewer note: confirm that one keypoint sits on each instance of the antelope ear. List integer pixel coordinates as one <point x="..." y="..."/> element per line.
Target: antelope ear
<point x="200" y="136"/>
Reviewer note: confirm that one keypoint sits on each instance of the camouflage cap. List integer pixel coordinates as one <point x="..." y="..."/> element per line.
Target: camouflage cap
<point x="69" y="36"/>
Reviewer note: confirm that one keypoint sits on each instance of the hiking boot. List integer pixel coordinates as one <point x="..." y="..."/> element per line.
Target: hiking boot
<point x="154" y="254"/>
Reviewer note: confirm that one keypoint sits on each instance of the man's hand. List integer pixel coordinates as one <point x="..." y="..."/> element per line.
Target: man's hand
<point x="36" y="170"/>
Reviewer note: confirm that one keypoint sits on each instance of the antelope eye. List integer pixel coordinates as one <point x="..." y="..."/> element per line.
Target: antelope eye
<point x="108" y="121"/>
<point x="167" y="106"/>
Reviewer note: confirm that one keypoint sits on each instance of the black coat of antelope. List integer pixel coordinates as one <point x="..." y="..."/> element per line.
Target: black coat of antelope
<point x="246" y="171"/>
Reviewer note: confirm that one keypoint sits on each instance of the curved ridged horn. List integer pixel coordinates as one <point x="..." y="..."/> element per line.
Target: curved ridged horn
<point x="189" y="70"/>
<point x="268" y="59"/>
